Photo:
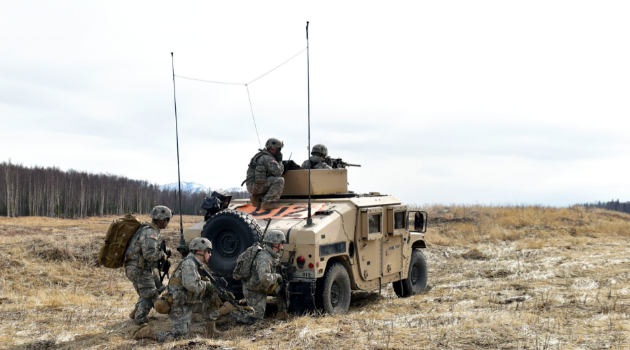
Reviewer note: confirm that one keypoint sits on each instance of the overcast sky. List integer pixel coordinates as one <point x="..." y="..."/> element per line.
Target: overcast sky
<point x="440" y="102"/>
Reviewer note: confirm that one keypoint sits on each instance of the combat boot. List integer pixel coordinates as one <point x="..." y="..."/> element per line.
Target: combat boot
<point x="226" y="309"/>
<point x="270" y="206"/>
<point x="212" y="331"/>
<point x="282" y="316"/>
<point x="255" y="199"/>
<point x="132" y="314"/>
<point x="145" y="332"/>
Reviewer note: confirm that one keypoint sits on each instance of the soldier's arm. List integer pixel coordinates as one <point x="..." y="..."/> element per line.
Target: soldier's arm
<point x="151" y="245"/>
<point x="274" y="167"/>
<point x="263" y="269"/>
<point x="306" y="164"/>
<point x="191" y="279"/>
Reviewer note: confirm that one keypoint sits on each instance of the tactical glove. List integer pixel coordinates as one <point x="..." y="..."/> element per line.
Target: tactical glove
<point x="168" y="253"/>
<point x="210" y="288"/>
<point x="278" y="156"/>
<point x="226" y="296"/>
<point x="289" y="269"/>
<point x="279" y="280"/>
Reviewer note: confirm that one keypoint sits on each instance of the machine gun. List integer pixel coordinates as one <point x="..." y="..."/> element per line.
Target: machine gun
<point x="219" y="283"/>
<point x="164" y="267"/>
<point x="338" y="163"/>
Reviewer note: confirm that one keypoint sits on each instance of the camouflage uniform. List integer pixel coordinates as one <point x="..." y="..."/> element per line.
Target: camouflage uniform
<point x="274" y="183"/>
<point x="189" y="295"/>
<point x="256" y="287"/>
<point x="143" y="254"/>
<point x="317" y="162"/>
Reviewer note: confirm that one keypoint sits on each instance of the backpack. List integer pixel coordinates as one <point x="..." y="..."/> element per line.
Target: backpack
<point x="119" y="233"/>
<point x="244" y="263"/>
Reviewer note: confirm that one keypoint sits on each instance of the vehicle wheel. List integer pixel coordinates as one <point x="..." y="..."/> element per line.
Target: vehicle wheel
<point x="333" y="290"/>
<point x="231" y="232"/>
<point x="416" y="281"/>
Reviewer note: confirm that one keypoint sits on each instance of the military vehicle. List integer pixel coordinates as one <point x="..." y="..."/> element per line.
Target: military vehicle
<point x="355" y="242"/>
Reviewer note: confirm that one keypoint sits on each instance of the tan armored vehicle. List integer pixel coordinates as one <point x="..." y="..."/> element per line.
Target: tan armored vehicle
<point x="355" y="242"/>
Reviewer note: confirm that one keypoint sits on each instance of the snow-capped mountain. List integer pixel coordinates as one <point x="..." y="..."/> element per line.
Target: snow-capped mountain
<point x="191" y="187"/>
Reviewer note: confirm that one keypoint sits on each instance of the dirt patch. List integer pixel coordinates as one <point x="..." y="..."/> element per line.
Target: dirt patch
<point x="474" y="254"/>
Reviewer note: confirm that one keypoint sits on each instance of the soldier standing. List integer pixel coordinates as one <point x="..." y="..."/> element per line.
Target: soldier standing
<point x="142" y="256"/>
<point x="264" y="175"/>
<point x="264" y="279"/>
<point x="318" y="158"/>
<point x="190" y="291"/>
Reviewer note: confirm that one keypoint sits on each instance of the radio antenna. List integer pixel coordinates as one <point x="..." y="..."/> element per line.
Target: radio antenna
<point x="182" y="248"/>
<point x="309" y="221"/>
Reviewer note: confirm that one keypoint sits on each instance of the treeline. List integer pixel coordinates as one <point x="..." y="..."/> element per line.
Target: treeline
<point x="612" y="205"/>
<point x="40" y="191"/>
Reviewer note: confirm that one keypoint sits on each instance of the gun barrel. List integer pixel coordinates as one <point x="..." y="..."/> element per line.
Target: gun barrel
<point x="357" y="165"/>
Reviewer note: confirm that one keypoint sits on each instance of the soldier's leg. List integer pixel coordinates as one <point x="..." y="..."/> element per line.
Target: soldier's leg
<point x="254" y="188"/>
<point x="181" y="317"/>
<point x="276" y="185"/>
<point x="257" y="301"/>
<point x="147" y="290"/>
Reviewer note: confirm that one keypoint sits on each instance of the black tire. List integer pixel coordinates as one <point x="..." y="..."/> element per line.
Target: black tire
<point x="231" y="233"/>
<point x="333" y="290"/>
<point x="417" y="279"/>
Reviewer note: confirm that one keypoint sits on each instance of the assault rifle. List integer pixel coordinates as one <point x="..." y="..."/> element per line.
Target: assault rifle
<point x="219" y="283"/>
<point x="283" y="287"/>
<point x="163" y="267"/>
<point x="338" y="163"/>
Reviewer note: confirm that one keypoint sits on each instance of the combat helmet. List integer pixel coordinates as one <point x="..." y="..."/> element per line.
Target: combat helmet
<point x="321" y="149"/>
<point x="200" y="244"/>
<point x="274" y="143"/>
<point x="161" y="212"/>
<point x="274" y="236"/>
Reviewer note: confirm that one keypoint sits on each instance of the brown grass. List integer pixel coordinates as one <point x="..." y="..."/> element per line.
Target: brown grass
<point x="500" y="278"/>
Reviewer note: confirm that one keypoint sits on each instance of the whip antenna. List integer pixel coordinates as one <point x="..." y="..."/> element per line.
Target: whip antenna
<point x="309" y="221"/>
<point x="182" y="248"/>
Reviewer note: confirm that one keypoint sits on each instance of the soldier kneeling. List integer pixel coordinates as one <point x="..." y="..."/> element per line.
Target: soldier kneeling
<point x="188" y="290"/>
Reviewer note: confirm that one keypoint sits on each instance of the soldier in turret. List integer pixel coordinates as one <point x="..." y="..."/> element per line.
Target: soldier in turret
<point x="318" y="158"/>
<point x="142" y="255"/>
<point x="264" y="175"/>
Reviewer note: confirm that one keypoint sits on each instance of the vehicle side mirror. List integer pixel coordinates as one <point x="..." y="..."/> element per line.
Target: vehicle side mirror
<point x="420" y="220"/>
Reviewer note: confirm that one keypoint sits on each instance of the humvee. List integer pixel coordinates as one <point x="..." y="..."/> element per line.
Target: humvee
<point x="355" y="242"/>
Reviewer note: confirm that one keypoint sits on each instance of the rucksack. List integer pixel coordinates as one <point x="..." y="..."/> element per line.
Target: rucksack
<point x="119" y="233"/>
<point x="244" y="263"/>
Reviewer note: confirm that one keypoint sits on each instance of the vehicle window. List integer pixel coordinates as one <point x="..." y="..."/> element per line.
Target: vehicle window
<point x="374" y="223"/>
<point x="399" y="220"/>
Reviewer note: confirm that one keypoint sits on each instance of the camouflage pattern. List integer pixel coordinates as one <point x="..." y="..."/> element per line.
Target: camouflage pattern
<point x="161" y="212"/>
<point x="200" y="243"/>
<point x="274" y="143"/>
<point x="139" y="269"/>
<point x="255" y="289"/>
<point x="189" y="295"/>
<point x="318" y="163"/>
<point x="319" y="149"/>
<point x="274" y="236"/>
<point x="274" y="184"/>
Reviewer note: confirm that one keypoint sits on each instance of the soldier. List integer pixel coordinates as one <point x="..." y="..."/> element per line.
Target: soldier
<point x="264" y="279"/>
<point x="189" y="291"/>
<point x="142" y="256"/>
<point x="317" y="159"/>
<point x="264" y="175"/>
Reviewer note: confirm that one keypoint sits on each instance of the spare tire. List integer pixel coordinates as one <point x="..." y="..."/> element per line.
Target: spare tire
<point x="231" y="232"/>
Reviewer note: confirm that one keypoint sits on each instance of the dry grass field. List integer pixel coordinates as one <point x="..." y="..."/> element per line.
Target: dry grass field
<point x="499" y="278"/>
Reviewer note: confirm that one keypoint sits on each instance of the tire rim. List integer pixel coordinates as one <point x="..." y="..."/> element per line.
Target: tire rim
<point x="335" y="293"/>
<point x="228" y="244"/>
<point x="415" y="275"/>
